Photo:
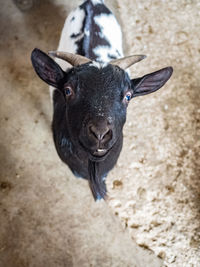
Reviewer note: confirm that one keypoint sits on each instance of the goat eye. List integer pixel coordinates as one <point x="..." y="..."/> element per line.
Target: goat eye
<point x="68" y="91"/>
<point x="127" y="97"/>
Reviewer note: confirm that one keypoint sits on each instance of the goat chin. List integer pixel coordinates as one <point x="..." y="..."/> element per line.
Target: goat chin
<point x="97" y="159"/>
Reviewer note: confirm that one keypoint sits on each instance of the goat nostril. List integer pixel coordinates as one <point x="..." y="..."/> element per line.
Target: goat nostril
<point x="100" y="134"/>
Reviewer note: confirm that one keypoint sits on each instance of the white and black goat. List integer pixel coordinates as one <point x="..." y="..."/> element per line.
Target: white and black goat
<point x="91" y="95"/>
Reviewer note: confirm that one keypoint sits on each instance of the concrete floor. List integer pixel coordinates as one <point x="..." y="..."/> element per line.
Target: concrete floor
<point x="48" y="218"/>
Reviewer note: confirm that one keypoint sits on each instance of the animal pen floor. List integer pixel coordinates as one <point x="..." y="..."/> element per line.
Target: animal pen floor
<point x="48" y="218"/>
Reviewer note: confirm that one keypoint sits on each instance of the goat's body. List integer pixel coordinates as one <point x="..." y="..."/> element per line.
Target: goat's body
<point x="92" y="30"/>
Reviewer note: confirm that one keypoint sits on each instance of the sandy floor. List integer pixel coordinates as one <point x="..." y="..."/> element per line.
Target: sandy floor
<point x="48" y="218"/>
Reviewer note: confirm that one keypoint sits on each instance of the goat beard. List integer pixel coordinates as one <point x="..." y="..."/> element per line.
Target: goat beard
<point x="96" y="182"/>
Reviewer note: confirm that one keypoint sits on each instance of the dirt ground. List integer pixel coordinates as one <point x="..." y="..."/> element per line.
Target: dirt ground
<point x="48" y="217"/>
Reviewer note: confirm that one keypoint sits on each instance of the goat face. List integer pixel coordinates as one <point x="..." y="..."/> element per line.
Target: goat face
<point x="96" y="105"/>
<point x="90" y="103"/>
<point x="95" y="99"/>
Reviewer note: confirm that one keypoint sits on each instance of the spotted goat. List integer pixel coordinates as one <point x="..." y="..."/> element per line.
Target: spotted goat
<point x="90" y="89"/>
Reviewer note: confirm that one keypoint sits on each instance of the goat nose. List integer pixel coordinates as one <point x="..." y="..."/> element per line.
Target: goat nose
<point x="99" y="133"/>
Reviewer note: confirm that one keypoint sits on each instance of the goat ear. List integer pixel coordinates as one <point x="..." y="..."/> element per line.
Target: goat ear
<point x="46" y="68"/>
<point x="151" y="82"/>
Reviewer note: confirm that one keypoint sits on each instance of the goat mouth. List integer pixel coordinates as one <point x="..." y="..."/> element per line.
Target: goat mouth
<point x="100" y="152"/>
<point x="98" y="155"/>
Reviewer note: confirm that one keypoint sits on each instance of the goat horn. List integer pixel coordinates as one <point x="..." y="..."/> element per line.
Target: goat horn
<point x="126" y="62"/>
<point x="73" y="59"/>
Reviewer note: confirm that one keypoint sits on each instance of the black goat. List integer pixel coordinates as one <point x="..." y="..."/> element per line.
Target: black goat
<point x="90" y="99"/>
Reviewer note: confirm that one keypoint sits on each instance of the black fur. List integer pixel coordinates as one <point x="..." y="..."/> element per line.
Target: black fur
<point x="71" y="117"/>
